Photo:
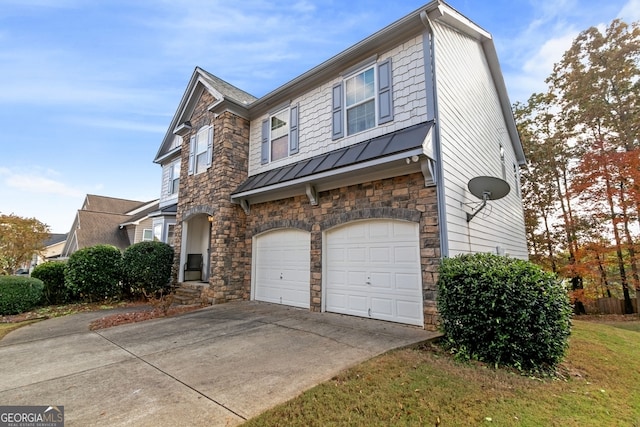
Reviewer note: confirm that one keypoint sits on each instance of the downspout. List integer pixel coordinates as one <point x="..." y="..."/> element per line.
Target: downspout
<point x="428" y="43"/>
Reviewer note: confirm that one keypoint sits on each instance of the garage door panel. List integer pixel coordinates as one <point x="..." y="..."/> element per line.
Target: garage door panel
<point x="408" y="311"/>
<point x="380" y="254"/>
<point x="283" y="267"/>
<point x="374" y="266"/>
<point x="405" y="254"/>
<point x="381" y="281"/>
<point x="408" y="282"/>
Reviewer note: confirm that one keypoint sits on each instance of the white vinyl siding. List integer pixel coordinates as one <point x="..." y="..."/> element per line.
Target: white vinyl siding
<point x="472" y="129"/>
<point x="170" y="182"/>
<point x="315" y="112"/>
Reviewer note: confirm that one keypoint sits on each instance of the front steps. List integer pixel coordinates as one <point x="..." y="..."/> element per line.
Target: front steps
<point x="189" y="293"/>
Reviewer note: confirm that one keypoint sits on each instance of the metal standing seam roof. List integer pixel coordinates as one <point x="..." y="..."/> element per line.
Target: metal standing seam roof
<point x="393" y="143"/>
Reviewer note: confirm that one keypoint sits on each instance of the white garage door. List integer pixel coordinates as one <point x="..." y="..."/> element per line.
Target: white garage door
<point x="373" y="270"/>
<point x="282" y="267"/>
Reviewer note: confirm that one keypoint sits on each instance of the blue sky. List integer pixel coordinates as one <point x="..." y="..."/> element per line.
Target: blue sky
<point x="88" y="88"/>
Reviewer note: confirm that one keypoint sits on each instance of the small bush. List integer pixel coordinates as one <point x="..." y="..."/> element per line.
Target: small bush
<point x="94" y="273"/>
<point x="503" y="311"/>
<point x="19" y="294"/>
<point x="146" y="268"/>
<point x="52" y="275"/>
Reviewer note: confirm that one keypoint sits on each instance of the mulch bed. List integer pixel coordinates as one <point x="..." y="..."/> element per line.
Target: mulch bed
<point x="139" y="316"/>
<point x="140" y="311"/>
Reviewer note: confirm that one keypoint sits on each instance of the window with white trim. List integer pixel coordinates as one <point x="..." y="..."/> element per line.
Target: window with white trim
<point x="157" y="232"/>
<point x="201" y="150"/>
<point x="171" y="234"/>
<point x="363" y="99"/>
<point x="174" y="183"/>
<point x="360" y="101"/>
<point x="147" y="235"/>
<point x="280" y="134"/>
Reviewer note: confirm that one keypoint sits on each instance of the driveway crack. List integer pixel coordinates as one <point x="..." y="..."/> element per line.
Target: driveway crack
<point x="157" y="368"/>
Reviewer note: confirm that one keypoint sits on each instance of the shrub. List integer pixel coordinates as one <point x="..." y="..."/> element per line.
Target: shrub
<point x="94" y="273"/>
<point x="19" y="294"/>
<point x="52" y="275"/>
<point x="146" y="268"/>
<point x="503" y="311"/>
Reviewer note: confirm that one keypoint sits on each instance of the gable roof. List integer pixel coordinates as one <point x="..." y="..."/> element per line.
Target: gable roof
<point x="97" y="203"/>
<point x="200" y="81"/>
<point x="101" y="228"/>
<point x="99" y="221"/>
<point x="414" y="23"/>
<point x="54" y="239"/>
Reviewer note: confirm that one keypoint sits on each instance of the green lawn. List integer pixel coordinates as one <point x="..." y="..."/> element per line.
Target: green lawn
<point x="599" y="386"/>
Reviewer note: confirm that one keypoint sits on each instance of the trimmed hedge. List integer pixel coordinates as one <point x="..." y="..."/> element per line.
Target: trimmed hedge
<point x="503" y="311"/>
<point x="94" y="273"/>
<point x="146" y="268"/>
<point x="19" y="294"/>
<point x="52" y="275"/>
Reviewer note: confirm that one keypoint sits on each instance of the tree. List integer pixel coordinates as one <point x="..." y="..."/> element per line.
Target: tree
<point x="598" y="82"/>
<point x="581" y="188"/>
<point x="20" y="239"/>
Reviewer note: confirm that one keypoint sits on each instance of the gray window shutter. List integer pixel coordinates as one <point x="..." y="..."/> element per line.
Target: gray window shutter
<point x="385" y="92"/>
<point x="209" y="146"/>
<point x="192" y="154"/>
<point x="293" y="130"/>
<point x="264" y="158"/>
<point x="337" y="128"/>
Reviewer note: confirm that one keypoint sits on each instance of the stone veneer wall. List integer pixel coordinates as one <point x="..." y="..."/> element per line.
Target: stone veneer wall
<point x="210" y="193"/>
<point x="403" y="197"/>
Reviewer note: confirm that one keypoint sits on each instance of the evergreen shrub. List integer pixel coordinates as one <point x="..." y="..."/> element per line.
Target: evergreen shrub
<point x="19" y="294"/>
<point x="146" y="268"/>
<point x="503" y="311"/>
<point x="52" y="275"/>
<point x="94" y="273"/>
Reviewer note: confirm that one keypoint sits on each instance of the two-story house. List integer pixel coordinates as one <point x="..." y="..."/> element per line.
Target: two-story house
<point x="341" y="190"/>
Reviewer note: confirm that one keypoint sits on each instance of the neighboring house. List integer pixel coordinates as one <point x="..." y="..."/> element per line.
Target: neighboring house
<point x="342" y="190"/>
<point x="110" y="221"/>
<point x="53" y="248"/>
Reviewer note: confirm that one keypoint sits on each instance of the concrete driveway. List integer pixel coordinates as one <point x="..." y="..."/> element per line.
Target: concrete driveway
<point x="219" y="365"/>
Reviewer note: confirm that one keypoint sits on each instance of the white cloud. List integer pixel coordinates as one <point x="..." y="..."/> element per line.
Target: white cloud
<point x="630" y="11"/>
<point x="33" y="183"/>
<point x="127" y="125"/>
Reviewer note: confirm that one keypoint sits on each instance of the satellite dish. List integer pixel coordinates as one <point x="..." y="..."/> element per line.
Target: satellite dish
<point x="487" y="188"/>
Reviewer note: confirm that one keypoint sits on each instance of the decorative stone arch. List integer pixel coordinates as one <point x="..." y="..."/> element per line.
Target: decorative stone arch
<point x="197" y="210"/>
<point x="371" y="213"/>
<point x="282" y="223"/>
